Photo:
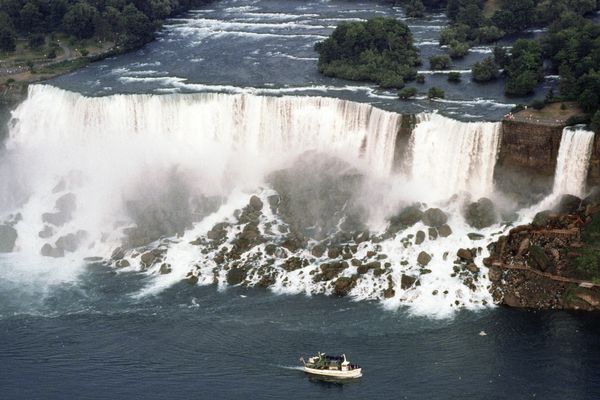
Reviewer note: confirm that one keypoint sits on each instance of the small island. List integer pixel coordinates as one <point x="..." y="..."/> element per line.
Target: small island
<point x="378" y="50"/>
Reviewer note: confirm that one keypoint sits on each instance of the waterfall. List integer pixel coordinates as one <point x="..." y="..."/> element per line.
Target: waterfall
<point x="573" y="161"/>
<point x="451" y="157"/>
<point x="260" y="125"/>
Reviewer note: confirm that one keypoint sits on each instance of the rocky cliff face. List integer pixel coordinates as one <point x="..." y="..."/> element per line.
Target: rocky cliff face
<point x="527" y="158"/>
<point x="552" y="263"/>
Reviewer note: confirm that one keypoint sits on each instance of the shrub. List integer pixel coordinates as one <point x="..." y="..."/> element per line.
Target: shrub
<point x="407" y="93"/>
<point x="436" y="93"/>
<point x="537" y="104"/>
<point x="454" y="77"/>
<point x="458" y="49"/>
<point x="484" y="71"/>
<point x="420" y="78"/>
<point x="577" y="120"/>
<point x="440" y="62"/>
<point x="595" y="123"/>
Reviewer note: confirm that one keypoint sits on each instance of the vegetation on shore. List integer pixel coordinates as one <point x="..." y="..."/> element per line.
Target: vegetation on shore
<point x="379" y="50"/>
<point x="39" y="38"/>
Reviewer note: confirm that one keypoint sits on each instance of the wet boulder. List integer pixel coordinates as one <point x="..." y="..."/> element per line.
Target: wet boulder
<point x="568" y="204"/>
<point x="344" y="285"/>
<point x="218" y="233"/>
<point x="8" y="237"/>
<point x="434" y="217"/>
<point x="444" y="231"/>
<point x="481" y="214"/>
<point x="49" y="251"/>
<point x="71" y="241"/>
<point x="465" y="254"/>
<point x="165" y="269"/>
<point x="405" y="218"/>
<point x="423" y="259"/>
<point x="65" y="206"/>
<point x="420" y="237"/>
<point x="406" y="281"/>
<point x="330" y="270"/>
<point x="235" y="276"/>
<point x="46" y="232"/>
<point x="318" y="250"/>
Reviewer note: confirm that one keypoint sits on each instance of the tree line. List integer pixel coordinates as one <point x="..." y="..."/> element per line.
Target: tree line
<point x="128" y="23"/>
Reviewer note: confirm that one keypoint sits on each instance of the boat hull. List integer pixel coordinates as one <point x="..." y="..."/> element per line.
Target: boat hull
<point x="355" y="373"/>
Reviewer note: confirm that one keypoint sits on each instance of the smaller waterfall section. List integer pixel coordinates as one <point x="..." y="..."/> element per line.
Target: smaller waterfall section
<point x="573" y="161"/>
<point x="451" y="157"/>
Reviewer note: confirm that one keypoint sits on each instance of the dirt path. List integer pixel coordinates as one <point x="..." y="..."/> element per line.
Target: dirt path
<point x="557" y="278"/>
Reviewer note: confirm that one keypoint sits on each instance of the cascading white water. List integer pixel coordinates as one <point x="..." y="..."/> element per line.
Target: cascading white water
<point x="451" y="157"/>
<point x="111" y="152"/>
<point x="257" y="124"/>
<point x="127" y="147"/>
<point x="573" y="162"/>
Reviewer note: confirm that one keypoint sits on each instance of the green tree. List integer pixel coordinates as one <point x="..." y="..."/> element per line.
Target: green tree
<point x="79" y="20"/>
<point x="138" y="27"/>
<point x="436" y="93"/>
<point x="8" y="40"/>
<point x="595" y="124"/>
<point x="485" y="70"/>
<point x="31" y="19"/>
<point x="440" y="62"/>
<point x="407" y="93"/>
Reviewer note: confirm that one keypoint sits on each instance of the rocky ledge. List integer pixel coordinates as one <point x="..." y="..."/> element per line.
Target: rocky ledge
<point x="552" y="263"/>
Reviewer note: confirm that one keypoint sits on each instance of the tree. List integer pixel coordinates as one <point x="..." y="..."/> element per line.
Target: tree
<point x="458" y="49"/>
<point x="595" y="123"/>
<point x="454" y="77"/>
<point x="484" y="71"/>
<point x="407" y="93"/>
<point x="436" y="93"/>
<point x="440" y="62"/>
<point x="31" y="18"/>
<point x="138" y="27"/>
<point x="79" y="20"/>
<point x="415" y="9"/>
<point x="8" y="41"/>
<point x="524" y="70"/>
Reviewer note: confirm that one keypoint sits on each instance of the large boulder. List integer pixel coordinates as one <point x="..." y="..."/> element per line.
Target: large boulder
<point x="481" y="214"/>
<point x="330" y="270"/>
<point x="344" y="285"/>
<point x="65" y="206"/>
<point x="423" y="258"/>
<point x="405" y="218"/>
<point x="8" y="237"/>
<point x="49" y="251"/>
<point x="406" y="281"/>
<point x="434" y="217"/>
<point x="235" y="276"/>
<point x="568" y="204"/>
<point x="71" y="241"/>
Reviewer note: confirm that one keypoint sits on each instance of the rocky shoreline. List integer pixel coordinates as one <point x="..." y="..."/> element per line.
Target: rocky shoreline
<point x="552" y="263"/>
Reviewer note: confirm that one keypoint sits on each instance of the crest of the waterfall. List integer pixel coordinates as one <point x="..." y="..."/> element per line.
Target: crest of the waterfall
<point x="573" y="161"/>
<point x="249" y="124"/>
<point x="448" y="157"/>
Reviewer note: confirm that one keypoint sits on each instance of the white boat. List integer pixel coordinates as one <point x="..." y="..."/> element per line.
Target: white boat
<point x="331" y="366"/>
